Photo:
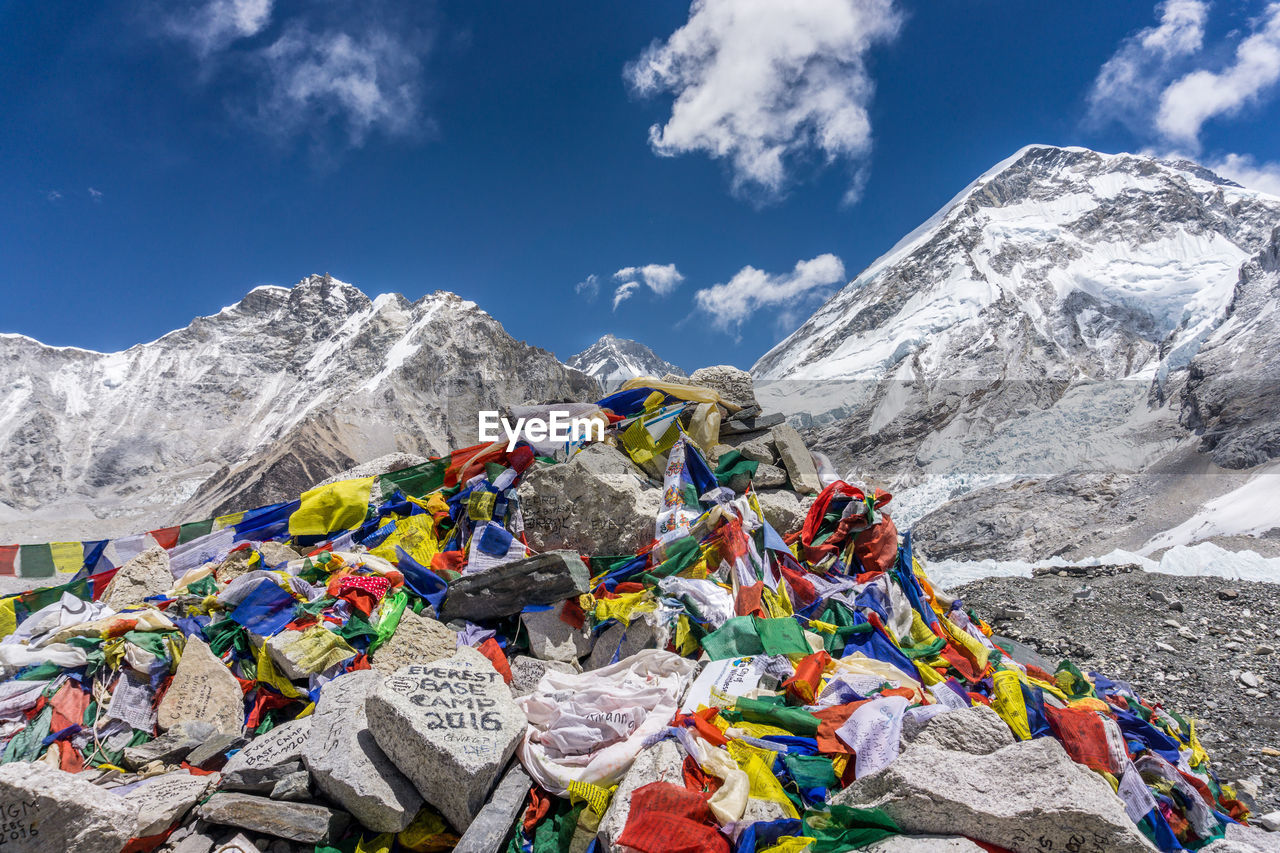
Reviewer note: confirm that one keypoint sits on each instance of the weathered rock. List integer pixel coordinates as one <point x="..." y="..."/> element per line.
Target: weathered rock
<point x="295" y="787"/>
<point x="551" y="638"/>
<point x="977" y="731"/>
<point x="275" y="553"/>
<point x="740" y="424"/>
<point x="925" y="844"/>
<point x="759" y="450"/>
<point x="162" y="801"/>
<point x="796" y="459"/>
<point x="211" y="754"/>
<point x="418" y="639"/>
<point x="267" y="758"/>
<point x="508" y="588"/>
<point x="596" y="503"/>
<point x="526" y="672"/>
<point x="733" y="384"/>
<point x="347" y="763"/>
<point x="1022" y="797"/>
<point x="305" y="822"/>
<point x="451" y="727"/>
<point x="489" y="831"/>
<point x="238" y="843"/>
<point x="145" y="575"/>
<point x="200" y="840"/>
<point x="765" y="477"/>
<point x="662" y="762"/>
<point x="46" y="809"/>
<point x="262" y="781"/>
<point x="784" y="509"/>
<point x="202" y="689"/>
<point x="621" y="641"/>
<point x="172" y="746"/>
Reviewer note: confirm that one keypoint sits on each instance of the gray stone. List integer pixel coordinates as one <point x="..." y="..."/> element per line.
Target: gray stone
<point x="260" y="762"/>
<point x="490" y="830"/>
<point x="211" y="754"/>
<point x="733" y="384"/>
<point x="145" y="575"/>
<point x="295" y="786"/>
<point x="171" y="747"/>
<point x="275" y="553"/>
<point x="46" y="809"/>
<point x="762" y="810"/>
<point x="598" y="502"/>
<point x="238" y="843"/>
<point x="765" y="477"/>
<point x="1023" y="797"/>
<point x="162" y="801"/>
<point x="739" y="424"/>
<point x="451" y="727"/>
<point x="1244" y="839"/>
<point x="796" y="459"/>
<point x="418" y="639"/>
<point x="261" y="781"/>
<point x="347" y="763"/>
<point x="202" y="689"/>
<point x="662" y="762"/>
<point x="976" y="731"/>
<point x="551" y="638"/>
<point x="526" y="672"/>
<point x="305" y="822"/>
<point x="784" y="509"/>
<point x="759" y="450"/>
<point x="199" y="841"/>
<point x="622" y="640"/>
<point x="506" y="589"/>
<point x="925" y="844"/>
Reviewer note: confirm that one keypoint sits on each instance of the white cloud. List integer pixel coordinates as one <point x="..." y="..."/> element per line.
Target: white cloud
<point x="212" y="25"/>
<point x="662" y="279"/>
<point x="1129" y="83"/>
<point x="1244" y="170"/>
<point x="53" y="195"/>
<point x="1202" y="95"/>
<point x="732" y="303"/>
<point x="94" y="194"/>
<point x="624" y="292"/>
<point x="345" y="67"/>
<point x="589" y="288"/>
<point x="761" y="83"/>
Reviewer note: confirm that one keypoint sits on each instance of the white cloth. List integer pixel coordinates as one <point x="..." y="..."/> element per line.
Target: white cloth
<point x="713" y="601"/>
<point x="874" y="732"/>
<point x="68" y="610"/>
<point x="590" y="726"/>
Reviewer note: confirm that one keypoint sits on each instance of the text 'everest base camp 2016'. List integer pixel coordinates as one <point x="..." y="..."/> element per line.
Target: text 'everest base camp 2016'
<point x="975" y="559"/>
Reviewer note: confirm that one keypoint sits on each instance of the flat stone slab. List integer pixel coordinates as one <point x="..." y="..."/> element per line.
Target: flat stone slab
<point x="171" y="747"/>
<point x="259" y="762"/>
<point x="305" y="822"/>
<point x="347" y="763"/>
<point x="796" y="459"/>
<point x="163" y="800"/>
<point x="418" y="639"/>
<point x="450" y="726"/>
<point x="488" y="832"/>
<point x="202" y="689"/>
<point x="1027" y="797"/>
<point x="49" y="811"/>
<point x="508" y="588"/>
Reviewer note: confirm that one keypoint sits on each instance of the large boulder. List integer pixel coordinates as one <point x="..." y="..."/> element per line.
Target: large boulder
<point x="977" y="731"/>
<point x="925" y="844"/>
<point x="733" y="384"/>
<point x="142" y="577"/>
<point x="46" y="809"/>
<point x="202" y="689"/>
<point x="346" y="762"/>
<point x="596" y="503"/>
<point x="1027" y="798"/>
<point x="450" y="726"/>
<point x="784" y="509"/>
<point x="418" y="639"/>
<point x="796" y="459"/>
<point x="552" y="638"/>
<point x="508" y="588"/>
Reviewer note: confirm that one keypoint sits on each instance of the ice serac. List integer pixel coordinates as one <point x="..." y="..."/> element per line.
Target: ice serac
<point x="1043" y="323"/>
<point x="251" y="405"/>
<point x="613" y="360"/>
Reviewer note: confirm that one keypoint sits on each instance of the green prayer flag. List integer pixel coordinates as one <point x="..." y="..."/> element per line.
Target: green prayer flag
<point x="36" y="561"/>
<point x="737" y="637"/>
<point x="194" y="530"/>
<point x="844" y="828"/>
<point x="417" y="481"/>
<point x="782" y="636"/>
<point x="798" y="721"/>
<point x="732" y="464"/>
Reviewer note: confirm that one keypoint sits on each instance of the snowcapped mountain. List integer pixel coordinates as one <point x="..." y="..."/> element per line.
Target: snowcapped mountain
<point x="238" y="409"/>
<point x="1045" y="324"/>
<point x="614" y="360"/>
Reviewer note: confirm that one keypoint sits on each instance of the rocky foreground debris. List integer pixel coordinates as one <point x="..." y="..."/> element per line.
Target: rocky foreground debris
<point x="633" y="644"/>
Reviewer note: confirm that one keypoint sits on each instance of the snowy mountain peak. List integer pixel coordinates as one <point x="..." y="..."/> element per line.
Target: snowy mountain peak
<point x="614" y="360"/>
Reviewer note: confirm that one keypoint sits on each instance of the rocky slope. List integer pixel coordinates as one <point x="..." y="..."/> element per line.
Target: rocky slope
<point x="614" y="360"/>
<point x="249" y="405"/>
<point x="1068" y="321"/>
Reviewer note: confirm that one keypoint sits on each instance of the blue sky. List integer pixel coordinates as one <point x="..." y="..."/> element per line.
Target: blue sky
<point x="158" y="160"/>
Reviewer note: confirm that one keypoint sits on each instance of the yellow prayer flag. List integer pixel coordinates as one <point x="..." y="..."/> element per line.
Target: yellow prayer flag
<point x="1007" y="701"/>
<point x="67" y="556"/>
<point x="337" y="506"/>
